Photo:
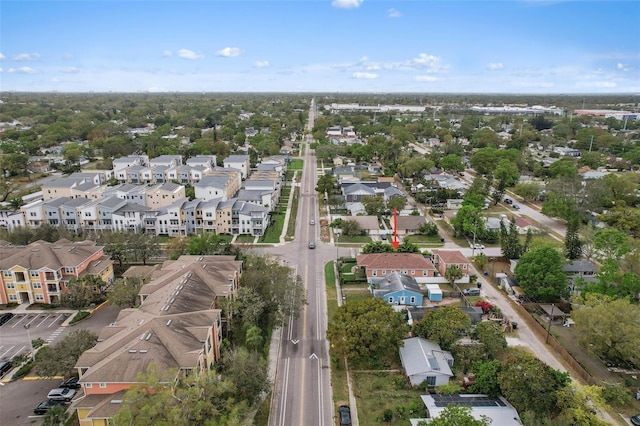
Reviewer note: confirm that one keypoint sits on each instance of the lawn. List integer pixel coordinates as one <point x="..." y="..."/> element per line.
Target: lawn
<point x="272" y="235"/>
<point x="244" y="239"/>
<point x="386" y="391"/>
<point x="296" y="164"/>
<point x="362" y="239"/>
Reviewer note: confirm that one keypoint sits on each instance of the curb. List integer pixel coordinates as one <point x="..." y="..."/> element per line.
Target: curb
<point x="42" y="378"/>
<point x="99" y="306"/>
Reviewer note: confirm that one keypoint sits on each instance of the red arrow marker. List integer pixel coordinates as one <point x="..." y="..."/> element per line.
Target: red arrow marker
<point x="395" y="242"/>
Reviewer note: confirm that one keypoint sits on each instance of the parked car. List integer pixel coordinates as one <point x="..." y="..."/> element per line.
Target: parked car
<point x="5" y="317"/>
<point x="471" y="292"/>
<point x="508" y="201"/>
<point x="477" y="246"/>
<point x="345" y="415"/>
<point x="517" y="207"/>
<point x="61" y="394"/>
<point x="5" y="367"/>
<point x="70" y="383"/>
<point x="635" y="420"/>
<point x="45" y="406"/>
<point x="383" y="237"/>
<point x="312" y="245"/>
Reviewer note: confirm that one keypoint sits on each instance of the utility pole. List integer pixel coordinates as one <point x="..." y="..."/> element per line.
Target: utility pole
<point x="550" y="322"/>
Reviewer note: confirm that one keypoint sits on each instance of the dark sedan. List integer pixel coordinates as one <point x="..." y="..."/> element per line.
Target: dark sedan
<point x="47" y="405"/>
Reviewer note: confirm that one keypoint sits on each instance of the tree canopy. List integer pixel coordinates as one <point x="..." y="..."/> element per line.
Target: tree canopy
<point x="366" y="332"/>
<point x="60" y="358"/>
<point x="444" y="326"/>
<point x="539" y="273"/>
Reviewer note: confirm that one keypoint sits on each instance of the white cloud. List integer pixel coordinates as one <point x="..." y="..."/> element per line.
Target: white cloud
<point x="189" y="54"/>
<point x="261" y="64"/>
<point x="426" y="78"/>
<point x="167" y="53"/>
<point x="393" y="13"/>
<point x="365" y="75"/>
<point x="1" y="56"/>
<point x="22" y="70"/>
<point x="495" y="66"/>
<point x="26" y="57"/>
<point x="229" y="52"/>
<point x="622" y="67"/>
<point x="346" y="4"/>
<point x="71" y="70"/>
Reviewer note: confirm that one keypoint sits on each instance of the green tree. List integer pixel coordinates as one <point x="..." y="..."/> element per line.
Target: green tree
<point x="492" y="338"/>
<point x="351" y="228"/>
<point x="366" y="332"/>
<point x="623" y="219"/>
<point x="124" y="292"/>
<point x="453" y="273"/>
<point x="249" y="373"/>
<point x="143" y="246"/>
<point x="609" y="328"/>
<point x="577" y="403"/>
<point x="507" y="172"/>
<point x="486" y="374"/>
<point x="377" y="247"/>
<point x="373" y="205"/>
<point x="406" y="246"/>
<point x="60" y="358"/>
<point x="485" y="159"/>
<point x="282" y="291"/>
<point x="539" y="273"/>
<point x="71" y="152"/>
<point x="326" y="184"/>
<point x="444" y="325"/>
<point x="82" y="292"/>
<point x="253" y="338"/>
<point x="510" y="243"/>
<point x="611" y="244"/>
<point x="457" y="415"/>
<point x="207" y="244"/>
<point x="451" y="162"/>
<point x="529" y="383"/>
<point x="572" y="243"/>
<point x="529" y="191"/>
<point x="397" y="202"/>
<point x="56" y="416"/>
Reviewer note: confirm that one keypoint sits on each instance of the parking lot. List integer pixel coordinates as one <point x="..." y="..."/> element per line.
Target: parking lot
<point x="15" y="334"/>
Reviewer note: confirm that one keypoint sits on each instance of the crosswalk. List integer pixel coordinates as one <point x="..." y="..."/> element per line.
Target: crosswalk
<point x="53" y="336"/>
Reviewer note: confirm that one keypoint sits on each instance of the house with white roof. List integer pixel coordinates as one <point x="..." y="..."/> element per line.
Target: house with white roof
<point x="238" y="162"/>
<point x="425" y="363"/>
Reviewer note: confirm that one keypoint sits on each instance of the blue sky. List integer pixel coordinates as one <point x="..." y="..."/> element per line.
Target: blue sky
<point x="508" y="46"/>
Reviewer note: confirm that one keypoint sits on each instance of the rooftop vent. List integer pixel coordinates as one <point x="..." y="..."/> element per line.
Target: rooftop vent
<point x="169" y="322"/>
<point x="148" y="336"/>
<point x="143" y="351"/>
<point x="132" y="351"/>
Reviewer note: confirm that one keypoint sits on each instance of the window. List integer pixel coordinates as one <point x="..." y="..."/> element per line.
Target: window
<point x="464" y="266"/>
<point x="88" y="385"/>
<point x="11" y="285"/>
<point x="391" y="299"/>
<point x="103" y="385"/>
<point x="374" y="272"/>
<point x="37" y="284"/>
<point x="68" y="270"/>
<point x="209" y="214"/>
<point x="413" y="272"/>
<point x="32" y="214"/>
<point x="39" y="297"/>
<point x="7" y="273"/>
<point x="13" y="297"/>
<point x="425" y="273"/>
<point x="412" y="299"/>
<point x="431" y="380"/>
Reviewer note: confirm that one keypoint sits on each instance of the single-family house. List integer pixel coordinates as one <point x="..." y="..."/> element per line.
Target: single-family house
<point x="425" y="363"/>
<point x="396" y="289"/>
<point x="409" y="225"/>
<point x="497" y="410"/>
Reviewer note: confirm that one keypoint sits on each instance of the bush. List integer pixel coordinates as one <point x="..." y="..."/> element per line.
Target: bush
<point x="36" y="343"/>
<point x="451" y="388"/>
<point x="23" y="371"/>
<point x="616" y="394"/>
<point x="80" y="316"/>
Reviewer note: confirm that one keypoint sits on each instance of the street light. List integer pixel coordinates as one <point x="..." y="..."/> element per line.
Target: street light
<point x="553" y="305"/>
<point x="26" y="326"/>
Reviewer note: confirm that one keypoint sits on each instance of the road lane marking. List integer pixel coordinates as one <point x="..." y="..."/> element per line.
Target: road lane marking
<point x="285" y="386"/>
<point x="53" y="336"/>
<point x="32" y="320"/>
<point x="19" y="321"/>
<point x="7" y="351"/>
<point x="54" y="321"/>
<point x="45" y="318"/>
<point x="320" y="395"/>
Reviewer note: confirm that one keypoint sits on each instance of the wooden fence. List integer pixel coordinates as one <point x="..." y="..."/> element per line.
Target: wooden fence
<point x="537" y="328"/>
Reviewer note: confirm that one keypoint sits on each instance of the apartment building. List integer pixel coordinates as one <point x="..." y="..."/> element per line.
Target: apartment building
<point x="238" y="162"/>
<point x="178" y="328"/>
<point x="40" y="272"/>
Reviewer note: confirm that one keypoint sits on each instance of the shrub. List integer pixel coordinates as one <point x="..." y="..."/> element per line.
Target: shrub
<point x="36" y="343"/>
<point x="387" y="415"/>
<point x="23" y="371"/>
<point x="616" y="394"/>
<point x="80" y="316"/>
<point x="451" y="388"/>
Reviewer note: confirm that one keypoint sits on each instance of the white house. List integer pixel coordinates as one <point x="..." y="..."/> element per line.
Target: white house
<point x="425" y="363"/>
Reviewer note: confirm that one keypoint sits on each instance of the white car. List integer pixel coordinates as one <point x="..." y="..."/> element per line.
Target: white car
<point x="477" y="246"/>
<point x="312" y="222"/>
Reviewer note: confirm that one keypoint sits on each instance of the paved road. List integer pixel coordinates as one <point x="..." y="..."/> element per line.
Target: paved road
<point x="15" y="336"/>
<point x="302" y="388"/>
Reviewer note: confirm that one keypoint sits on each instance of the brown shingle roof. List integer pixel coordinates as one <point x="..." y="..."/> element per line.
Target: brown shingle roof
<point x="394" y="261"/>
<point x="41" y="254"/>
<point x="451" y="256"/>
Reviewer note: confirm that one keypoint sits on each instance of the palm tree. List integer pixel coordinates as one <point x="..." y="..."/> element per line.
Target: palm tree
<point x="452" y="274"/>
